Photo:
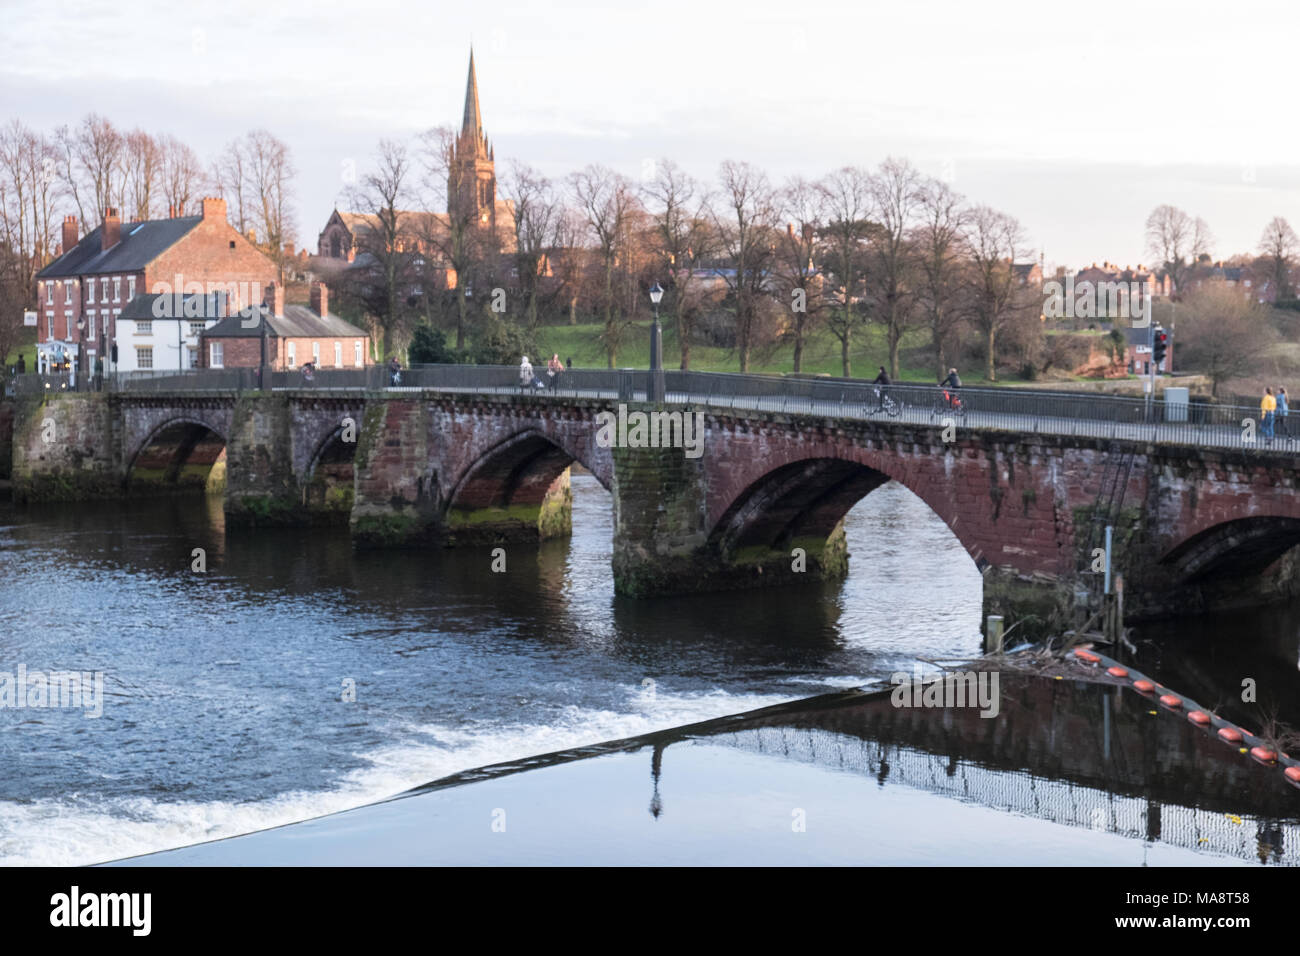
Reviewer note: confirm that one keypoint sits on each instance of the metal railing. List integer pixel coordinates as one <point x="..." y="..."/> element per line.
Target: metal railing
<point x="1022" y="410"/>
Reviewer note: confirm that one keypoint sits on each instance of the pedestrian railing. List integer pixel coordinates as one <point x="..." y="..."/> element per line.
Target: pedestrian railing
<point x="1005" y="409"/>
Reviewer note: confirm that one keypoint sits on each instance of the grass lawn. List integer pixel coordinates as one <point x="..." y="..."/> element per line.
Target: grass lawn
<point x="26" y="348"/>
<point x="821" y="352"/>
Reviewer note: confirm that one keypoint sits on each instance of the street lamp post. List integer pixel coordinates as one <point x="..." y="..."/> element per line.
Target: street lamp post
<point x="655" y="393"/>
<point x="81" y="353"/>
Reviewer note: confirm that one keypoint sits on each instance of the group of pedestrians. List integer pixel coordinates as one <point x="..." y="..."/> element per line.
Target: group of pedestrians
<point x="1274" y="408"/>
<point x="554" y="368"/>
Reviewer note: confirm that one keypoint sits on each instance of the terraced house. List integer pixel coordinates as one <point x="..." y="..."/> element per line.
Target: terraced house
<point x="84" y="294"/>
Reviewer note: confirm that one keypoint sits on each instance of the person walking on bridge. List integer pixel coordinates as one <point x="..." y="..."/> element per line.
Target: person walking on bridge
<point x="1267" y="409"/>
<point x="1283" y="408"/>
<point x="525" y="373"/>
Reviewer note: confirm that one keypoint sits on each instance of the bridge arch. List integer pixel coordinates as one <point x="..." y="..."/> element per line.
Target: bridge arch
<point x="328" y="479"/>
<point x="177" y="452"/>
<point x="517" y="488"/>
<point x="1237" y="548"/>
<point x="800" y="501"/>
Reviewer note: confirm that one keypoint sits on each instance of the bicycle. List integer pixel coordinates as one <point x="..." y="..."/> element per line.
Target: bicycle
<point x="886" y="405"/>
<point x="948" y="404"/>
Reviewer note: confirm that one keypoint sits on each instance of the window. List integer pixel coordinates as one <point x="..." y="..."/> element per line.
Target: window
<point x="49" y="318"/>
<point x="90" y="290"/>
<point x="293" y="360"/>
<point x="103" y="291"/>
<point x="144" y="358"/>
<point x="130" y="287"/>
<point x="196" y="328"/>
<point x="216" y="355"/>
<point x="315" y="353"/>
<point x="144" y="326"/>
<point x="49" y="293"/>
<point x="117" y="289"/>
<point x="67" y="326"/>
<point x="338" y="354"/>
<point x="67" y="292"/>
<point x="359" y="357"/>
<point x="90" y="324"/>
<point x="193" y="357"/>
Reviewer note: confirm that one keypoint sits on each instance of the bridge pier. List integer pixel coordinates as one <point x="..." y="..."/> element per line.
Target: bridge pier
<point x="63" y="449"/>
<point x="261" y="488"/>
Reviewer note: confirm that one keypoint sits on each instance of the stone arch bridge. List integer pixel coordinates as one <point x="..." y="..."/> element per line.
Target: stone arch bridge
<point x="762" y="505"/>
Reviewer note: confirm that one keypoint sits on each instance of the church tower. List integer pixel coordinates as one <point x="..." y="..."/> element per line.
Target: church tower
<point x="471" y="179"/>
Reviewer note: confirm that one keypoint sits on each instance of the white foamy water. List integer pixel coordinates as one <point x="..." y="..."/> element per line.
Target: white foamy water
<point x="81" y="830"/>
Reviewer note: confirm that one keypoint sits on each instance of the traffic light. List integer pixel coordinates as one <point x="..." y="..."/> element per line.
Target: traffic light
<point x="1159" y="347"/>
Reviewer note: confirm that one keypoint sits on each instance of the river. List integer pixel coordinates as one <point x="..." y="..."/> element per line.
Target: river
<point x="227" y="704"/>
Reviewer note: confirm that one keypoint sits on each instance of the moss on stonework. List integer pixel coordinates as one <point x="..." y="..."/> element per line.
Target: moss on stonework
<point x="386" y="530"/>
<point x="262" y="510"/>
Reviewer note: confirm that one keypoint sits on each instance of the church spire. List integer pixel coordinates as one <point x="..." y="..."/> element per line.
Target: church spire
<point x="472" y="128"/>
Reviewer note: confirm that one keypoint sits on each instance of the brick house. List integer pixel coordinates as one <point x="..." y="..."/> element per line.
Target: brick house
<point x="82" y="293"/>
<point x="295" y="334"/>
<point x="1138" y="351"/>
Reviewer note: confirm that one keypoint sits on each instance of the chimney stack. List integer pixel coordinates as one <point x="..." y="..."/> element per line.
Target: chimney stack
<point x="69" y="233"/>
<point x="320" y="299"/>
<point x="214" y="209"/>
<point x="111" y="234"/>
<point x="275" y="299"/>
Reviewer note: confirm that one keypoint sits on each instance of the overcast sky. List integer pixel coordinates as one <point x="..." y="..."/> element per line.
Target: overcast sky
<point x="1077" y="119"/>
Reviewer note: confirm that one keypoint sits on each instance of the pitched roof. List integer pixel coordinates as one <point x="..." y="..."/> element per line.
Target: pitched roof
<point x="298" y="321"/>
<point x="141" y="243"/>
<point x="190" y="308"/>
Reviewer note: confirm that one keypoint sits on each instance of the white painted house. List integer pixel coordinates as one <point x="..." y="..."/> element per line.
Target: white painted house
<point x="161" y="332"/>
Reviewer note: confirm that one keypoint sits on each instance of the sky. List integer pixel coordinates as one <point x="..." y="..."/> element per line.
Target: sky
<point x="1077" y="119"/>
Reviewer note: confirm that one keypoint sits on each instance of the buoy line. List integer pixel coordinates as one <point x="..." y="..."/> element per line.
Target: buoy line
<point x="1242" y="740"/>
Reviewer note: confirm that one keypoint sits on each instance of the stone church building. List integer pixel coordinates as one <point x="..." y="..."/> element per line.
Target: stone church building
<point x="471" y="199"/>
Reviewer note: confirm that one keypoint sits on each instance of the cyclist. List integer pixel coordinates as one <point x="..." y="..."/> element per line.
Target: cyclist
<point x="880" y="381"/>
<point x="950" y="385"/>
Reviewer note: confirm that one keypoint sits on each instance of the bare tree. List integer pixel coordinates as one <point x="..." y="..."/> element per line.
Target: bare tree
<point x="607" y="200"/>
<point x="994" y="241"/>
<point x="684" y="237"/>
<point x="142" y="168"/>
<point x="1222" y="333"/>
<point x="848" y="210"/>
<point x="803" y="206"/>
<point x="745" y="216"/>
<point x="181" y="176"/>
<point x="1278" y="246"/>
<point x="270" y="173"/>
<point x="386" y="274"/>
<point x="91" y="165"/>
<point x="230" y="174"/>
<point x="1177" y="240"/>
<point x="29" y="193"/>
<point x="938" y="239"/>
<point x="537" y="211"/>
<point x="896" y="191"/>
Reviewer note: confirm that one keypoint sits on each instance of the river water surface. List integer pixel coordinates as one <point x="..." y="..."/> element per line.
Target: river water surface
<point x="225" y="692"/>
